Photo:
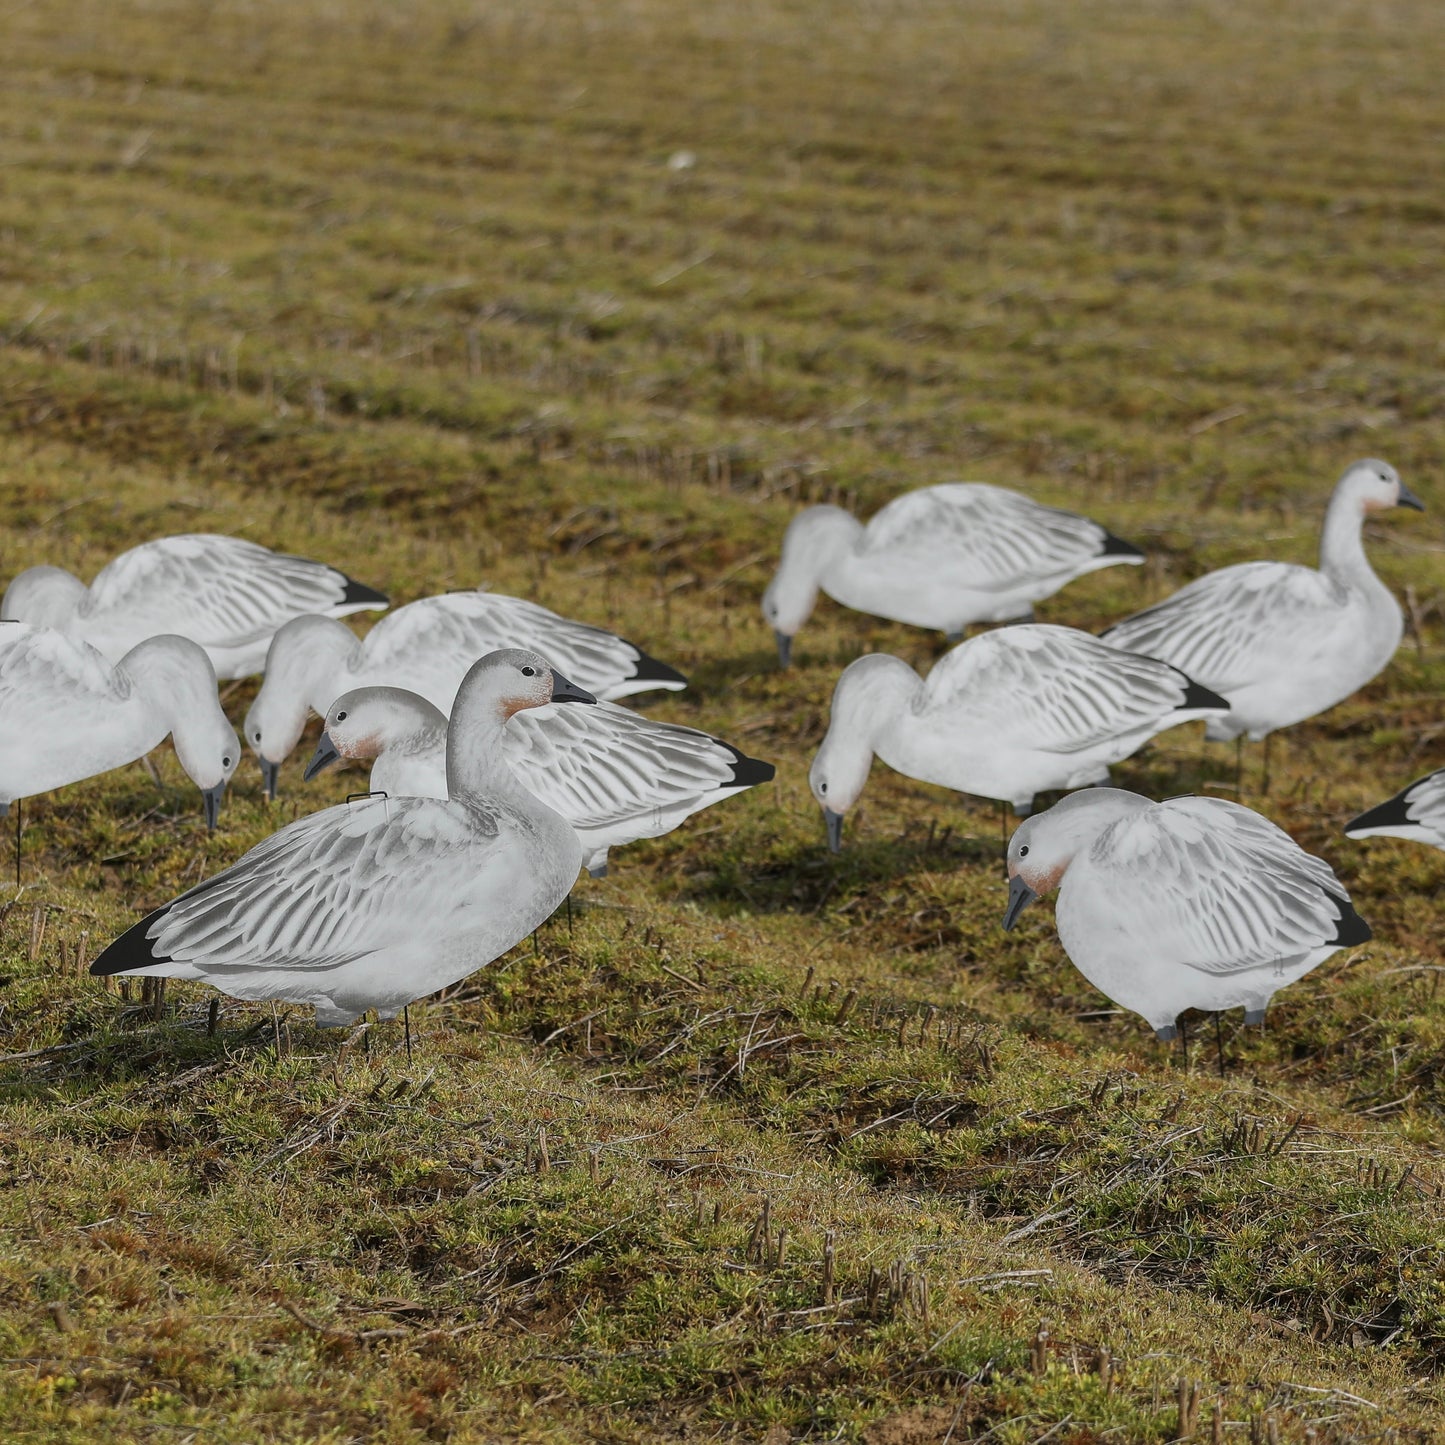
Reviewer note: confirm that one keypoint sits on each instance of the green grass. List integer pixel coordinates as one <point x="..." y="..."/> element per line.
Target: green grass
<point x="416" y="289"/>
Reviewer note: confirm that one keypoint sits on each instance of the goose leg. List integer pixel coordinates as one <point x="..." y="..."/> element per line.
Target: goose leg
<point x="1239" y="768"/>
<point x="1264" y="786"/>
<point x="569" y="915"/>
<point x="1219" y="1041"/>
<point x="406" y="1025"/>
<point x="19" y="814"/>
<point x="1184" y="1042"/>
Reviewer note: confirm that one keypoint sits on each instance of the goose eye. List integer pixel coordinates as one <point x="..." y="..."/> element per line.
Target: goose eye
<point x="341" y="717"/>
<point x="256" y="736"/>
<point x="529" y="672"/>
<point x="1024" y="851"/>
<point x="822" y="787"/>
<point x="226" y="761"/>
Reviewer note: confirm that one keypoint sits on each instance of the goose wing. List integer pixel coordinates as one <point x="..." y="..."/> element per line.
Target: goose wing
<point x="988" y="536"/>
<point x="435" y="640"/>
<point x="1220" y="888"/>
<point x="45" y="676"/>
<point x="1416" y="810"/>
<point x="220" y="591"/>
<point x="1054" y="688"/>
<point x="327" y="890"/>
<point x="598" y="765"/>
<point x="1234" y="626"/>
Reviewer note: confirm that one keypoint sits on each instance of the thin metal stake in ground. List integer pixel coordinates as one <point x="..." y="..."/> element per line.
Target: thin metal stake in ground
<point x="1219" y="1041"/>
<point x="406" y="1024"/>
<point x="19" y="814"/>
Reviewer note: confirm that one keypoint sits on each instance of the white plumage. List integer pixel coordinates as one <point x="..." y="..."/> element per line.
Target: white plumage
<point x="614" y="774"/>
<point x="66" y="713"/>
<point x="1283" y="642"/>
<point x="1416" y="812"/>
<point x="376" y="903"/>
<point x="942" y="557"/>
<point x="426" y="647"/>
<point x="226" y="594"/>
<point x="1191" y="903"/>
<point x="1007" y="714"/>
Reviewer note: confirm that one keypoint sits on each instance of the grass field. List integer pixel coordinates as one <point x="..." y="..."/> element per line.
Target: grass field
<point x="764" y="1144"/>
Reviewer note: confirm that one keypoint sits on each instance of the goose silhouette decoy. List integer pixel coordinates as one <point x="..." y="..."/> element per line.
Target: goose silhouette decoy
<point x="426" y="647"/>
<point x="614" y="774"/>
<point x="374" y="904"/>
<point x="1191" y="903"/>
<point x="942" y="557"/>
<point x="1280" y="641"/>
<point x="225" y="593"/>
<point x="1416" y="813"/>
<point x="66" y="713"/>
<point x="1007" y="714"/>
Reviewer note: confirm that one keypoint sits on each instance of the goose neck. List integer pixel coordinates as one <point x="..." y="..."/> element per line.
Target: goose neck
<point x="1342" y="545"/>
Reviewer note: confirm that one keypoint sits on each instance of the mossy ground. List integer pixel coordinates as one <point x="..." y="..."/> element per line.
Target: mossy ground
<point x="430" y="291"/>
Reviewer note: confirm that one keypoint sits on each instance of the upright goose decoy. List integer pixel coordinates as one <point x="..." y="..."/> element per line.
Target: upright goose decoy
<point x="942" y="557"/>
<point x="68" y="714"/>
<point x="1006" y="715"/>
<point x="1416" y="813"/>
<point x="1192" y="903"/>
<point x="374" y="904"/>
<point x="614" y="774"/>
<point x="426" y="647"/>
<point x="226" y="594"/>
<point x="1280" y="641"/>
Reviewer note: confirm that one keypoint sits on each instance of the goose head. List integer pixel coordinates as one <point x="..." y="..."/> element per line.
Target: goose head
<point x="1042" y="847"/>
<point x="1375" y="486"/>
<point x="814" y="538"/>
<point x="177" y="680"/>
<point x="368" y="721"/>
<point x="43" y="597"/>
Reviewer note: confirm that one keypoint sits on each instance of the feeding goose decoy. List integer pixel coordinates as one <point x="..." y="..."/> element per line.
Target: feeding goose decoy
<point x="614" y="774"/>
<point x="1416" y="813"/>
<point x="1007" y="714"/>
<point x="942" y="557"/>
<point x="426" y="647"/>
<point x="225" y="593"/>
<point x="1191" y="903"/>
<point x="376" y="903"/>
<point x="67" y="714"/>
<point x="1284" y="642"/>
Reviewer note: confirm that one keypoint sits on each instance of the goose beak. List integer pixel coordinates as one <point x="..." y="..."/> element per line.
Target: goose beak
<point x="212" y="800"/>
<point x="564" y="691"/>
<point x="834" y="822"/>
<point x="325" y="753"/>
<point x="1409" y="499"/>
<point x="785" y="648"/>
<point x="1020" y="895"/>
<point x="270" y="772"/>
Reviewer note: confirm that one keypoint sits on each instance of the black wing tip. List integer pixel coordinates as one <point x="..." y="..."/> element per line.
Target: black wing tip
<point x="1197" y="695"/>
<point x="1392" y="813"/>
<point x="649" y="669"/>
<point x="1352" y="929"/>
<point x="749" y="772"/>
<point x="131" y="950"/>
<point x="358" y="593"/>
<point x="1118" y="547"/>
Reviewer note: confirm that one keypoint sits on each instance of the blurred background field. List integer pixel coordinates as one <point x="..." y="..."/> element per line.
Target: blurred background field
<point x="583" y="302"/>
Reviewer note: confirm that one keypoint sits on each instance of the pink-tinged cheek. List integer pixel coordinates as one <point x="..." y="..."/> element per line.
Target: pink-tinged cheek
<point x="1041" y="880"/>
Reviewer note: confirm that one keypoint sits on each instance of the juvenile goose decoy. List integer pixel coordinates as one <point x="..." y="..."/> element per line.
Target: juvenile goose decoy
<point x="1416" y="813"/>
<point x="227" y="594"/>
<point x="1192" y="903"/>
<point x="67" y="714"/>
<point x="1280" y="641"/>
<point x="427" y="647"/>
<point x="374" y="904"/>
<point x="942" y="557"/>
<point x="614" y="774"/>
<point x="1006" y="715"/>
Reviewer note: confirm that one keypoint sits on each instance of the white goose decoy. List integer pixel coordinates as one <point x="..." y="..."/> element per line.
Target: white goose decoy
<point x="227" y="594"/>
<point x="1280" y="641"/>
<point x="614" y="774"/>
<point x="68" y="714"/>
<point x="427" y="647"/>
<point x="375" y="904"/>
<point x="1416" y="813"/>
<point x="942" y="557"/>
<point x="1191" y="903"/>
<point x="1007" y="714"/>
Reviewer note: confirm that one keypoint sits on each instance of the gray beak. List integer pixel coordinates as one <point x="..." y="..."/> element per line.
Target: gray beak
<point x="212" y="799"/>
<point x="564" y="691"/>
<point x="269" y="773"/>
<point x="1020" y="895"/>
<point x="835" y="830"/>
<point x="1409" y="499"/>
<point x="785" y="648"/>
<point x="325" y="753"/>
